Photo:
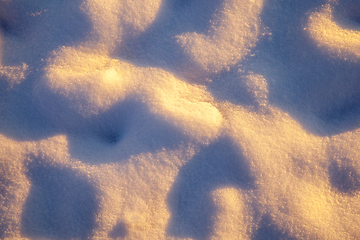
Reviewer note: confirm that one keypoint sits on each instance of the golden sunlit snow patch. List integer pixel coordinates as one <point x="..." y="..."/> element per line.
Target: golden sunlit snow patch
<point x="257" y="86"/>
<point x="187" y="106"/>
<point x="91" y="82"/>
<point x="234" y="215"/>
<point x="110" y="20"/>
<point x="14" y="186"/>
<point x="293" y="171"/>
<point x="138" y="15"/>
<point x="15" y="74"/>
<point x="134" y="193"/>
<point x="343" y="43"/>
<point x="104" y="17"/>
<point x="233" y="33"/>
<point x="305" y="210"/>
<point x="12" y="74"/>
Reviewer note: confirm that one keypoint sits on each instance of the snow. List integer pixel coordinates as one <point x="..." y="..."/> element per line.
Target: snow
<point x="173" y="119"/>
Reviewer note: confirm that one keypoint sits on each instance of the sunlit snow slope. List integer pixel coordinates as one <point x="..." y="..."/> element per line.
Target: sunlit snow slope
<point x="180" y="119"/>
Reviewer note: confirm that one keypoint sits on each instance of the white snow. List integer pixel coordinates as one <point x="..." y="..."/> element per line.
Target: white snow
<point x="179" y="119"/>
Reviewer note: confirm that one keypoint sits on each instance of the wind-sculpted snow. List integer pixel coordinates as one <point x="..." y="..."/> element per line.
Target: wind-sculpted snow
<point x="224" y="119"/>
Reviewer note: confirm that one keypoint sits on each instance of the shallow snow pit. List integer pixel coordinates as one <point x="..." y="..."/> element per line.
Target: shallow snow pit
<point x="344" y="176"/>
<point x="123" y="132"/>
<point x="344" y="166"/>
<point x="79" y="85"/>
<point x="119" y="231"/>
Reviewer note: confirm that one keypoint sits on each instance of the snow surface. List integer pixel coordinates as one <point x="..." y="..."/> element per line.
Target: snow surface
<point x="179" y="119"/>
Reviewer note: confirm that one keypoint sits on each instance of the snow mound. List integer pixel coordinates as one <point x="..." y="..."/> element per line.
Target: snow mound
<point x="333" y="33"/>
<point x="100" y="144"/>
<point x="233" y="33"/>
